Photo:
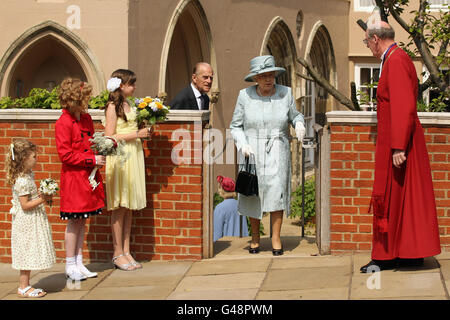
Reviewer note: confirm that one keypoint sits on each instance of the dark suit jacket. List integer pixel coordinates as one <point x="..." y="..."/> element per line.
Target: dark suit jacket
<point x="185" y="100"/>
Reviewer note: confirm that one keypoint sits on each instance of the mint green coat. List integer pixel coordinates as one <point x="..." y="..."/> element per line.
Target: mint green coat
<point x="263" y="123"/>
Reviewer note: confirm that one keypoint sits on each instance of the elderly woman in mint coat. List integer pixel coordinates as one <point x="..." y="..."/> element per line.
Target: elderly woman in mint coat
<point x="260" y="127"/>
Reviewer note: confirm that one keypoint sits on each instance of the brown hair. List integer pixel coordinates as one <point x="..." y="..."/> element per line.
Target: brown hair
<point x="74" y="95"/>
<point x="22" y="149"/>
<point x="116" y="97"/>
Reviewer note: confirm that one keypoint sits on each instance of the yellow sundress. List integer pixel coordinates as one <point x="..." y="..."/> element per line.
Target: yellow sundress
<point x="125" y="184"/>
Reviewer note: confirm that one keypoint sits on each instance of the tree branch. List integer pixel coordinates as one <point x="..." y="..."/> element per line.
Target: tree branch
<point x="301" y="75"/>
<point x="327" y="86"/>
<point x="421" y="44"/>
<point x="383" y="15"/>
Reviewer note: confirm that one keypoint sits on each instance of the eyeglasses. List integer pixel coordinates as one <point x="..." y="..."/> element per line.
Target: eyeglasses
<point x="366" y="41"/>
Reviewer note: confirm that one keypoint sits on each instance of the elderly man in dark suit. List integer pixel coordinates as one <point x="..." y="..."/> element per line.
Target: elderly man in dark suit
<point x="194" y="96"/>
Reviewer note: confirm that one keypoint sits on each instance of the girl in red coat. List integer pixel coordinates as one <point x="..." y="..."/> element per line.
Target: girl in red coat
<point x="78" y="201"/>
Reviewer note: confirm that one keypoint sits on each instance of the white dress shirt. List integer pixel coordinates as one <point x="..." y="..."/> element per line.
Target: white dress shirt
<point x="197" y="95"/>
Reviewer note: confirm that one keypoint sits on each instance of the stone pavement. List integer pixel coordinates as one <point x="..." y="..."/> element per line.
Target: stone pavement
<point x="233" y="274"/>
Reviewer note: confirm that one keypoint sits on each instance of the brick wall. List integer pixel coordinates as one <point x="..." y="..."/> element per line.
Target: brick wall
<point x="352" y="156"/>
<point x="170" y="228"/>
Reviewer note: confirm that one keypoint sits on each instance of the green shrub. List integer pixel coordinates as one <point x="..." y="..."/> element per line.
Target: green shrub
<point x="44" y="99"/>
<point x="310" y="201"/>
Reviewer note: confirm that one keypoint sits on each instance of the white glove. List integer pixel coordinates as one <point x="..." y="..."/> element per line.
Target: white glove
<point x="247" y="150"/>
<point x="300" y="131"/>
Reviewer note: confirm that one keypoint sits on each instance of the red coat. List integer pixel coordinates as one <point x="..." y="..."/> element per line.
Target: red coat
<point x="405" y="218"/>
<point x="78" y="160"/>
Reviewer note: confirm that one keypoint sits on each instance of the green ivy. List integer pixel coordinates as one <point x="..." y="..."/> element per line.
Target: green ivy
<point x="43" y="99"/>
<point x="310" y="201"/>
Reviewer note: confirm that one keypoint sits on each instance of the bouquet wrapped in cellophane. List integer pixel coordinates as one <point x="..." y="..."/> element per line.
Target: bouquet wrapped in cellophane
<point x="106" y="146"/>
<point x="48" y="187"/>
<point x="150" y="110"/>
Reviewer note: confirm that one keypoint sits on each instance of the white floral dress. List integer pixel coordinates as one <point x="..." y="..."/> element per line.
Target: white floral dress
<point x="31" y="238"/>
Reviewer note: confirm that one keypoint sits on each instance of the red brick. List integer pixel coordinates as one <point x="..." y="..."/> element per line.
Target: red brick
<point x="364" y="147"/>
<point x="335" y="128"/>
<point x="343" y="227"/>
<point x="344" y="137"/>
<point x="361" y="237"/>
<point x="345" y="156"/>
<point x="344" y="209"/>
<point x="343" y="192"/>
<point x="343" y="246"/>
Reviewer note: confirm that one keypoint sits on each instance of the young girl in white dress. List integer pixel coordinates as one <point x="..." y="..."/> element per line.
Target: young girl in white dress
<point x="31" y="238"/>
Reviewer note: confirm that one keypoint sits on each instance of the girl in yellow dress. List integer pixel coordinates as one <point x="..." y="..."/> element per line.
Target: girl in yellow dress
<point x="125" y="182"/>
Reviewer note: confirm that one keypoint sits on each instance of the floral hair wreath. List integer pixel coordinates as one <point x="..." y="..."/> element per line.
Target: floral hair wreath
<point x="113" y="84"/>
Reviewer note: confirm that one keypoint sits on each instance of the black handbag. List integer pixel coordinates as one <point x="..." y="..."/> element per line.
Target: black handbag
<point x="247" y="181"/>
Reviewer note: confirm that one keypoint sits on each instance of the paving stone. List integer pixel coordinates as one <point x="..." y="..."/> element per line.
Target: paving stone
<point x="311" y="262"/>
<point x="7" y="288"/>
<point x="398" y="284"/>
<point x="57" y="282"/>
<point x="443" y="256"/>
<point x="221" y="282"/>
<point x="129" y="293"/>
<point x="292" y="245"/>
<point x="445" y="269"/>
<point x="221" y="294"/>
<point x="307" y="278"/>
<point x="307" y="294"/>
<point x="211" y="266"/>
<point x="152" y="273"/>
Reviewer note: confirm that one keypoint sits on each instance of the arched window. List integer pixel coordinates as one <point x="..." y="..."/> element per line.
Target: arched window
<point x="188" y="41"/>
<point x="42" y="57"/>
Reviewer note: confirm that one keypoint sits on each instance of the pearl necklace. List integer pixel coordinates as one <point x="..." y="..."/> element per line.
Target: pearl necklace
<point x="258" y="91"/>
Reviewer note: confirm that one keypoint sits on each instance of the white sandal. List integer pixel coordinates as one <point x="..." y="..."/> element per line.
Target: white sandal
<point x="123" y="267"/>
<point x="135" y="264"/>
<point x="36" y="293"/>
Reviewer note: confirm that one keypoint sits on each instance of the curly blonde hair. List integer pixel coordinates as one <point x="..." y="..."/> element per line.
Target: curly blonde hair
<point x="22" y="149"/>
<point x="74" y="95"/>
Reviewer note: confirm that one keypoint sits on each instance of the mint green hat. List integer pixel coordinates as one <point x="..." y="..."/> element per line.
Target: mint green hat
<point x="263" y="64"/>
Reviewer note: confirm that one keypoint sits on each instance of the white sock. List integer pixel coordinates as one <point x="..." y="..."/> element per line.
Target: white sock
<point x="70" y="264"/>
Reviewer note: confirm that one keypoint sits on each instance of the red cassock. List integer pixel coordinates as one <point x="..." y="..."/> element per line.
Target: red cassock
<point x="405" y="219"/>
<point x="78" y="160"/>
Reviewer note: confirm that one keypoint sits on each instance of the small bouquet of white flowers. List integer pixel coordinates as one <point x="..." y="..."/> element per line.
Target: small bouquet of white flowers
<point x="48" y="187"/>
<point x="106" y="146"/>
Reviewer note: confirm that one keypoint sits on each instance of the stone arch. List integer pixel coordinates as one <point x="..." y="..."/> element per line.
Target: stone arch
<point x="188" y="40"/>
<point x="279" y="43"/>
<point x="319" y="51"/>
<point x="47" y="50"/>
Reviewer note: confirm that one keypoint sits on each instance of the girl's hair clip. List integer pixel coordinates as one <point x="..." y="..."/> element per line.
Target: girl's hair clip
<point x="113" y="84"/>
<point x="12" y="151"/>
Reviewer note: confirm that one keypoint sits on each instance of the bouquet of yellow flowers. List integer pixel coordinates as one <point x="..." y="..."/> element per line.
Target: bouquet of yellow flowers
<point x="150" y="110"/>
